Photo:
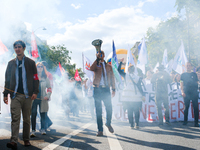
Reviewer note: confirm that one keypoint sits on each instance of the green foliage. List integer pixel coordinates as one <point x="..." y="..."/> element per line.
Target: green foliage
<point x="55" y="54"/>
<point x="191" y="6"/>
<point x="168" y="34"/>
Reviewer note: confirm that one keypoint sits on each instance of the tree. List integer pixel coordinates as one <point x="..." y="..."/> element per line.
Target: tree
<point x="167" y="35"/>
<point x="55" y="54"/>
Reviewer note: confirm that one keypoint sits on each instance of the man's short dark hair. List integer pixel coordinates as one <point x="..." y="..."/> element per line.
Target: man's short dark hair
<point x="20" y="42"/>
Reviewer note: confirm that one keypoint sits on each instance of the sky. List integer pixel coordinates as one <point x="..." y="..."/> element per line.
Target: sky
<point x="77" y="23"/>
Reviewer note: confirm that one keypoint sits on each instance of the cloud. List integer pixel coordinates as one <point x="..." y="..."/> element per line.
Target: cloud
<point x="28" y="26"/>
<point x="36" y="13"/>
<point x="169" y="15"/>
<point x="125" y="26"/>
<point x="151" y="1"/>
<point x="76" y="6"/>
<point x="141" y="3"/>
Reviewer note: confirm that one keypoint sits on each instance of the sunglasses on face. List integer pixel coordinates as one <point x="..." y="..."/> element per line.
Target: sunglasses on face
<point x="39" y="66"/>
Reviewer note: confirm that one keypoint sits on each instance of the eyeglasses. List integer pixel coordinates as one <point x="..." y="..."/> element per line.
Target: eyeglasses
<point x="39" y="66"/>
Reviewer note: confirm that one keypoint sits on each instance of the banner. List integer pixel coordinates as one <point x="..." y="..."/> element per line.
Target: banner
<point x="115" y="70"/>
<point x="76" y="76"/>
<point x="149" y="109"/>
<point x="3" y="48"/>
<point x="34" y="48"/>
<point x="165" y="60"/>
<point x="86" y="67"/>
<point x="142" y="57"/>
<point x="114" y="56"/>
<point x="180" y="60"/>
<point x="130" y="60"/>
<point x="59" y="73"/>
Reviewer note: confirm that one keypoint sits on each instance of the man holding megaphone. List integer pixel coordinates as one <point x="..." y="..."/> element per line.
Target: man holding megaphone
<point x="103" y="81"/>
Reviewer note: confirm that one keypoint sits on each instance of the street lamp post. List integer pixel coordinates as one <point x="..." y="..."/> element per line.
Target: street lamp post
<point x="39" y="28"/>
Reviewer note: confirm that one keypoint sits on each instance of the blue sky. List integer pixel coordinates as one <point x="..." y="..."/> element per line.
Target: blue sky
<point x="76" y="23"/>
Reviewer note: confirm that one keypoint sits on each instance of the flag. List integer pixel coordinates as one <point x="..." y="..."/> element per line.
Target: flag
<point x="59" y="73"/>
<point x="139" y="48"/>
<point x="169" y="66"/>
<point x="165" y="60"/>
<point x="34" y="48"/>
<point x="129" y="60"/>
<point x="180" y="60"/>
<point x="142" y="57"/>
<point x="86" y="67"/>
<point x="115" y="70"/>
<point x="3" y="48"/>
<point x="114" y="56"/>
<point x="155" y="68"/>
<point x="76" y="76"/>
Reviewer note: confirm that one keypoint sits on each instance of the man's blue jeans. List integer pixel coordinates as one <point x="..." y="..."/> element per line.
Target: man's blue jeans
<point x="102" y="94"/>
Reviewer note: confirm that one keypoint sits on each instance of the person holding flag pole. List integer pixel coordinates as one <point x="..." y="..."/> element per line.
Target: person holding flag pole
<point x="133" y="94"/>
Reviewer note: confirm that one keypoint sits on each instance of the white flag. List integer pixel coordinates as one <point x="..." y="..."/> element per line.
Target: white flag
<point x="165" y="60"/>
<point x="142" y="58"/>
<point x="180" y="60"/>
<point x="86" y="67"/>
<point x="129" y="60"/>
<point x="169" y="66"/>
<point x="155" y="68"/>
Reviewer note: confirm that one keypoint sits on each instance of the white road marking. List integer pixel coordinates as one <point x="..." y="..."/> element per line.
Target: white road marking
<point x="5" y="133"/>
<point x="65" y="138"/>
<point x="113" y="141"/>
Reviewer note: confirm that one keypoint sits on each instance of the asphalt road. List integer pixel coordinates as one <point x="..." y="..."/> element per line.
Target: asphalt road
<point x="80" y="133"/>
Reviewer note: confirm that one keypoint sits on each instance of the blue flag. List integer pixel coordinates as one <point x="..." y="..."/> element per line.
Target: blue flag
<point x="114" y="56"/>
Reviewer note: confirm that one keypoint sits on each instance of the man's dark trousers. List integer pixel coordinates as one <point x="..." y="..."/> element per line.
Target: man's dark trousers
<point x="194" y="98"/>
<point x="102" y="94"/>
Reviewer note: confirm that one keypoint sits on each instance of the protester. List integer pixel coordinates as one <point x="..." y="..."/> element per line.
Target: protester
<point x="198" y="75"/>
<point x="74" y="101"/>
<point x="41" y="101"/>
<point x="103" y="80"/>
<point x="189" y="89"/>
<point x="50" y="77"/>
<point x="132" y="94"/>
<point x="21" y="82"/>
<point x="160" y="80"/>
<point x="65" y="84"/>
<point x="177" y="78"/>
<point x="147" y="80"/>
<point x="89" y="95"/>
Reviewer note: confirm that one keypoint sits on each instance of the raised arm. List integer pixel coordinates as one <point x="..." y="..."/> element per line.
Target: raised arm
<point x="119" y="69"/>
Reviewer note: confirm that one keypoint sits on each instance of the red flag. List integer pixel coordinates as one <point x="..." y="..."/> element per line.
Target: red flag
<point x="34" y="46"/>
<point x="76" y="76"/>
<point x="62" y="70"/>
<point x="3" y="48"/>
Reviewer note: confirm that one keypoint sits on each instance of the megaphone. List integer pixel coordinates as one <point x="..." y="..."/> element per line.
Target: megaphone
<point x="97" y="44"/>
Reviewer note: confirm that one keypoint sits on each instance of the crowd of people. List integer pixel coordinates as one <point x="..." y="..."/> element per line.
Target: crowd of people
<point x="30" y="87"/>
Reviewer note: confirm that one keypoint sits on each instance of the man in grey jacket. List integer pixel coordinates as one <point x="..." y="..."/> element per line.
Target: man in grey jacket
<point x="21" y="82"/>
